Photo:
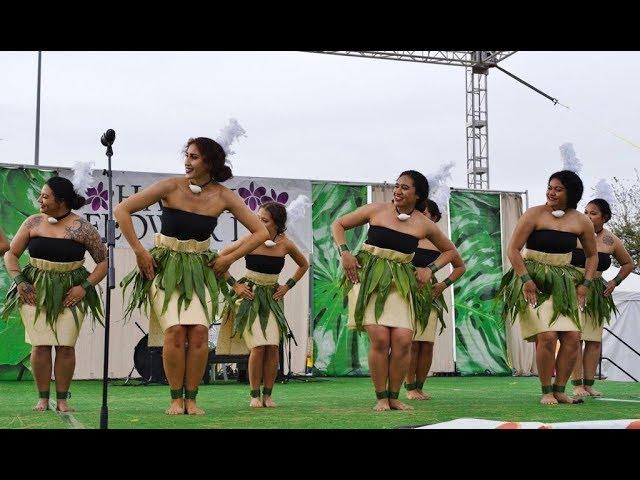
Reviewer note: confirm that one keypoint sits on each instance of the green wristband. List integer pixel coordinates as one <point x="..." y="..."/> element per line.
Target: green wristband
<point x="18" y="279"/>
<point x="587" y="282"/>
<point x="343" y="248"/>
<point x="86" y="285"/>
<point x="290" y="283"/>
<point x="617" y="280"/>
<point x="231" y="281"/>
<point x="433" y="267"/>
<point x="448" y="282"/>
<point x="525" y="278"/>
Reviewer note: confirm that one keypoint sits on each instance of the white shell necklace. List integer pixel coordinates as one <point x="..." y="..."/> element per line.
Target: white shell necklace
<point x="195" y="188"/>
<point x="559" y="213"/>
<point x="403" y="217"/>
<point x="53" y="220"/>
<point x="271" y="243"/>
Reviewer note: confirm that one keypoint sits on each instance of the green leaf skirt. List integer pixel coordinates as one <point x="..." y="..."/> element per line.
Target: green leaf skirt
<point x="244" y="313"/>
<point x="598" y="308"/>
<point x="182" y="268"/>
<point x="52" y="281"/>
<point x="434" y="311"/>
<point x="556" y="280"/>
<point x="384" y="271"/>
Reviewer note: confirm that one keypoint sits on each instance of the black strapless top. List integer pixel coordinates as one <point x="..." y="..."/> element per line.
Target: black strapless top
<point x="424" y="257"/>
<point x="186" y="225"/>
<point x="384" y="237"/>
<point x="578" y="259"/>
<point x="552" y="241"/>
<point x="264" y="263"/>
<point x="56" y="249"/>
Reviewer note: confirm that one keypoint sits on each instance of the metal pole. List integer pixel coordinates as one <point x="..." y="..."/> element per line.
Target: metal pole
<point x="554" y="100"/>
<point x="310" y="310"/>
<point x="111" y="277"/>
<point x="36" y="160"/>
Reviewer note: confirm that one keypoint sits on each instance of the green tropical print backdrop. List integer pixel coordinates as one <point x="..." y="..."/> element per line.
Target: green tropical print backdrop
<point x="19" y="191"/>
<point x="337" y="351"/>
<point x="481" y="346"/>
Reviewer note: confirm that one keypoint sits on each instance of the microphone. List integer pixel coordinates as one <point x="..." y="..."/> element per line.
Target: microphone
<point x="108" y="138"/>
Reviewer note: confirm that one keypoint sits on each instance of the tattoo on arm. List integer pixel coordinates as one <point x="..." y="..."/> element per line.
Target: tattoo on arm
<point x="608" y="240"/>
<point x="28" y="288"/>
<point x="33" y="222"/>
<point x="82" y="231"/>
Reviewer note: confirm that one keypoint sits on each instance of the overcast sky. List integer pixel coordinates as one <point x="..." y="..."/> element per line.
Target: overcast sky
<point x="322" y="116"/>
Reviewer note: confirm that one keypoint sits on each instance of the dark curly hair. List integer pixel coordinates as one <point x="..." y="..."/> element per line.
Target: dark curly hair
<point x="604" y="207"/>
<point x="63" y="191"/>
<point x="278" y="214"/>
<point x="213" y="156"/>
<point x="421" y="185"/>
<point x="434" y="210"/>
<point x="571" y="181"/>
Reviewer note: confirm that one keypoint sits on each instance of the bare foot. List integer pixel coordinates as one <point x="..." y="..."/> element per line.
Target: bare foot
<point x="256" y="402"/>
<point x="42" y="405"/>
<point x="564" y="398"/>
<point x="268" y="402"/>
<point x="548" y="399"/>
<point x="424" y="395"/>
<point x="382" y="405"/>
<point x="396" y="404"/>
<point x="176" y="407"/>
<point x="63" y="406"/>
<point x="191" y="408"/>
<point x="579" y="391"/>
<point x="414" y="395"/>
<point x="593" y="392"/>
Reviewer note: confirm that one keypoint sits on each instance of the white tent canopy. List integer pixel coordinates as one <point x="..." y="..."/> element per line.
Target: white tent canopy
<point x="626" y="326"/>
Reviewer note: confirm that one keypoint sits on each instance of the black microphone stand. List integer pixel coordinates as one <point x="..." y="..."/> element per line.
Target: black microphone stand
<point x="289" y="376"/>
<point x="111" y="280"/>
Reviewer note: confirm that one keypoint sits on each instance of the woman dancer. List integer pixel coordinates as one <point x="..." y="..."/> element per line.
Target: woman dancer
<point x="599" y="303"/>
<point x="55" y="291"/>
<point x="174" y="282"/>
<point x="422" y="345"/>
<point x="543" y="290"/>
<point x="385" y="298"/>
<point x="257" y="308"/>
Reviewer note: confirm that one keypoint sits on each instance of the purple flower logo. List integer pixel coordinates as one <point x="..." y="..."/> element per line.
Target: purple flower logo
<point x="280" y="198"/>
<point x="254" y="197"/>
<point x="97" y="197"/>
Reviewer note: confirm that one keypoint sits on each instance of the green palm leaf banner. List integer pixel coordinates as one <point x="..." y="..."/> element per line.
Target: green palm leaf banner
<point x="337" y="351"/>
<point x="19" y="191"/>
<point x="481" y="346"/>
